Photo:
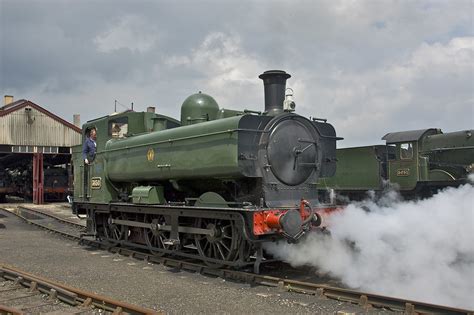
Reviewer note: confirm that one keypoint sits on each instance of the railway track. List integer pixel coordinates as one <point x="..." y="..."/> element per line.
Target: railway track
<point x="51" y="222"/>
<point x="365" y="300"/>
<point x="22" y="292"/>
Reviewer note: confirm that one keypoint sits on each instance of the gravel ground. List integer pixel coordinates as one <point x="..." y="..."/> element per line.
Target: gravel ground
<point x="148" y="285"/>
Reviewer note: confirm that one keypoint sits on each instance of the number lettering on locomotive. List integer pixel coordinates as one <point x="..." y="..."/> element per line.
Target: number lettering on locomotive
<point x="403" y="172"/>
<point x="96" y="182"/>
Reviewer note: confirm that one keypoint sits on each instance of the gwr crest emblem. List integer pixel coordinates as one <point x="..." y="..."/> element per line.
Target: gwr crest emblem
<point x="150" y="155"/>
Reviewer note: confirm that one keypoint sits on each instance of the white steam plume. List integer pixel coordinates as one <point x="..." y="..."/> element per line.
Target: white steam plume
<point x="419" y="250"/>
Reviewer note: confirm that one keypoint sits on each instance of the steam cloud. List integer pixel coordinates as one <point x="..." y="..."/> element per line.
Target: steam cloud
<point x="419" y="250"/>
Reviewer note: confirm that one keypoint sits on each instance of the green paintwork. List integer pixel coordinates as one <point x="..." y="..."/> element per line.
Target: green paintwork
<point x="105" y="192"/>
<point x="454" y="147"/>
<point x="148" y="195"/>
<point x="198" y="108"/>
<point x="137" y="123"/>
<point x="357" y="168"/>
<point x="440" y="175"/>
<point x="404" y="172"/>
<point x="211" y="200"/>
<point x="195" y="151"/>
<point x="437" y="159"/>
<point x="423" y="168"/>
<point x="134" y="153"/>
<point x="226" y="113"/>
<point x="78" y="165"/>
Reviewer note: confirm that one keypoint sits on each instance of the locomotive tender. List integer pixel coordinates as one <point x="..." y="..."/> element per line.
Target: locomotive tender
<point x="213" y="186"/>
<point x="418" y="162"/>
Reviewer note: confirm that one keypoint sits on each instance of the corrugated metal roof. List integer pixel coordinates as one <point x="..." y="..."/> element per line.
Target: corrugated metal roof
<point x="26" y="123"/>
<point x="11" y="105"/>
<point x="7" y="109"/>
<point x="411" y="135"/>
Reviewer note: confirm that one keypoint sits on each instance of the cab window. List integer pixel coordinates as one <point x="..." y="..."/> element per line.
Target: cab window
<point x="406" y="151"/>
<point x="118" y="128"/>
<point x="391" y="152"/>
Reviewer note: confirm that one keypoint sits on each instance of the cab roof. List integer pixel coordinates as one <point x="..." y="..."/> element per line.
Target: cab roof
<point x="411" y="135"/>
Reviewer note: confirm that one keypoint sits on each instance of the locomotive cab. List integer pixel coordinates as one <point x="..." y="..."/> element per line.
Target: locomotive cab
<point x="426" y="160"/>
<point x="89" y="184"/>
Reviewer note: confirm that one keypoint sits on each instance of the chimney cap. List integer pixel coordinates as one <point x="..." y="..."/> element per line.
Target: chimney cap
<point x="274" y="73"/>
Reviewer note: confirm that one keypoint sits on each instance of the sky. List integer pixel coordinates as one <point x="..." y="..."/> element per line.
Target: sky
<point x="369" y="67"/>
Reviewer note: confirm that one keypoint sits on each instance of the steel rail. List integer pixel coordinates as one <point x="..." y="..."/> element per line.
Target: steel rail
<point x="364" y="299"/>
<point x="46" y="227"/>
<point x="69" y="222"/>
<point x="10" y="310"/>
<point x="67" y="294"/>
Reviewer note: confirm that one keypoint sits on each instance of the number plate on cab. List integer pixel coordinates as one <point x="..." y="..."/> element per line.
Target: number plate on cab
<point x="96" y="182"/>
<point x="403" y="172"/>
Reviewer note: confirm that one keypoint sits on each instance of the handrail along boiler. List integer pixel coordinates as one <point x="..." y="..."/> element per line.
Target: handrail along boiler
<point x="215" y="185"/>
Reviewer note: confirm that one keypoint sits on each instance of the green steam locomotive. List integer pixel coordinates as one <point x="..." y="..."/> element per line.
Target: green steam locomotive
<point x="417" y="162"/>
<point x="214" y="185"/>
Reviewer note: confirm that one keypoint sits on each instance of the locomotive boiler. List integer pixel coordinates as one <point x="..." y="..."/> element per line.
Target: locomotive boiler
<point x="214" y="185"/>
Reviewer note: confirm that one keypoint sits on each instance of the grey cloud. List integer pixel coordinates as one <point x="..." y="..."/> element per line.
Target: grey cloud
<point x="342" y="56"/>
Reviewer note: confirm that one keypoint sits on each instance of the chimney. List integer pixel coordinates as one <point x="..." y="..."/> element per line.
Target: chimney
<point x="76" y="120"/>
<point x="8" y="99"/>
<point x="274" y="82"/>
<point x="150" y="109"/>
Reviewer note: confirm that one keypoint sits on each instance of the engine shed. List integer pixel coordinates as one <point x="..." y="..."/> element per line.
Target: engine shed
<point x="34" y="142"/>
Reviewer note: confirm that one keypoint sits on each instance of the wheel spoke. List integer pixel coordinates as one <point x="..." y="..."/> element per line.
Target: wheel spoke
<point x="211" y="250"/>
<point x="220" y="251"/>
<point x="206" y="245"/>
<point x="162" y="242"/>
<point x="223" y="245"/>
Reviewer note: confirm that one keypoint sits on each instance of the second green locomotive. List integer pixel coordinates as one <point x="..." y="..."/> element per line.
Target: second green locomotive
<point x="417" y="162"/>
